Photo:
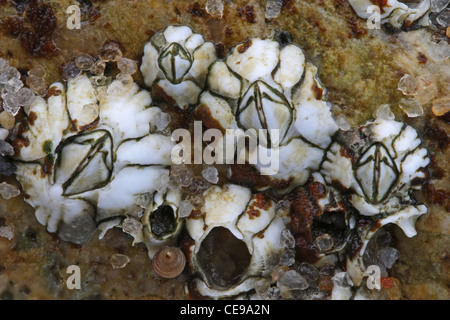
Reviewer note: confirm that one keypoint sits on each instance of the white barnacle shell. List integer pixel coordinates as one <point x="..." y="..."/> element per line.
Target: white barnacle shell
<point x="379" y="176"/>
<point x="161" y="221"/>
<point x="394" y="12"/>
<point x="42" y="138"/>
<point x="176" y="62"/>
<point x="90" y="172"/>
<point x="273" y="96"/>
<point x="237" y="241"/>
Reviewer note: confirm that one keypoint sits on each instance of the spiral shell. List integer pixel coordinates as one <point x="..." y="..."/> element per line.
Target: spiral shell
<point x="169" y="262"/>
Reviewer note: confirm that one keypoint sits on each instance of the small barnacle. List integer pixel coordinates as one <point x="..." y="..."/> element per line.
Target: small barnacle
<point x="175" y="65"/>
<point x="169" y="262"/>
<point x="396" y="13"/>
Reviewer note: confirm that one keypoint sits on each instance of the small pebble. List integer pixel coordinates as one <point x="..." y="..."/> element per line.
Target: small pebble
<point x="388" y="256"/>
<point x="158" y="40"/>
<point x="37" y="71"/>
<point x="8" y="191"/>
<point x="4" y="133"/>
<point x="162" y="120"/>
<point x="408" y="85"/>
<point x="119" y="261"/>
<point x="214" y="8"/>
<point x="273" y="8"/>
<point x="342" y="122"/>
<point x="384" y="112"/>
<point x="278" y="272"/>
<point x="4" y="64"/>
<point x="441" y="106"/>
<point x="411" y="107"/>
<point x="292" y="280"/>
<point x="127" y="66"/>
<point x="273" y="293"/>
<point x="185" y="209"/>
<point x="438" y="5"/>
<point x="287" y="239"/>
<point x="444" y="18"/>
<point x="161" y="184"/>
<point x="6" y="149"/>
<point x="7" y="120"/>
<point x="342" y="279"/>
<point x="144" y="200"/>
<point x="37" y="85"/>
<point x="131" y="226"/>
<point x="6" y="232"/>
<point x="211" y="175"/>
<point x="198" y="201"/>
<point x="288" y="257"/>
<point x="309" y="272"/>
<point x="26" y="96"/>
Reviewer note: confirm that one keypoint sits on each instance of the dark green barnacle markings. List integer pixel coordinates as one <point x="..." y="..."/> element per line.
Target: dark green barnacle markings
<point x="268" y="107"/>
<point x="84" y="162"/>
<point x="47" y="146"/>
<point x="376" y="173"/>
<point x="175" y="62"/>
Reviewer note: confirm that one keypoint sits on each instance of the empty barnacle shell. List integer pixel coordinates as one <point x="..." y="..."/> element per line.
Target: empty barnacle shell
<point x="237" y="240"/>
<point x="169" y="262"/>
<point x="161" y="221"/>
<point x="175" y="65"/>
<point x="271" y="95"/>
<point x="320" y="221"/>
<point x="396" y="13"/>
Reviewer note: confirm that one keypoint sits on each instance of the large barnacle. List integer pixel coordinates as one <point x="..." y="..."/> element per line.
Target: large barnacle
<point x="396" y="13"/>
<point x="262" y="87"/>
<point x="377" y="167"/>
<point x="95" y="159"/>
<point x="175" y="65"/>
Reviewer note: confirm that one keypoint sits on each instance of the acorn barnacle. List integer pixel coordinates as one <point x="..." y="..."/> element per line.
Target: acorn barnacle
<point x="175" y="65"/>
<point x="269" y="93"/>
<point x="396" y="13"/>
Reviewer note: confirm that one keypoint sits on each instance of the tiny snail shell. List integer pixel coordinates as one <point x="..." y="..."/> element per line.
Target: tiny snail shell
<point x="169" y="262"/>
